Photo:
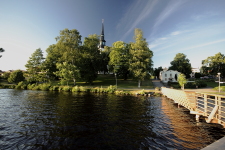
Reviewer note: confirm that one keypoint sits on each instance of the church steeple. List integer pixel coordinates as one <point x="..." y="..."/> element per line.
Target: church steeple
<point x="102" y="40"/>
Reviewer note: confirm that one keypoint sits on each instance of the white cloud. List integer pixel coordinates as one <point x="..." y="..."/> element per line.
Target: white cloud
<point x="175" y="33"/>
<point x="136" y="13"/>
<point x="193" y="47"/>
<point x="170" y="9"/>
<point x="204" y="16"/>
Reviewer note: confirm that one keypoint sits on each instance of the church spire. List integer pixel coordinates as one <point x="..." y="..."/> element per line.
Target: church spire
<point x="102" y="40"/>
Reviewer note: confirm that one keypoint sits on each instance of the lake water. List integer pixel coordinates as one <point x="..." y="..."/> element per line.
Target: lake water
<point x="60" y="120"/>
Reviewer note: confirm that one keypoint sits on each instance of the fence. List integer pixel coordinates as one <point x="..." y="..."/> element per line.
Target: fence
<point x="211" y="106"/>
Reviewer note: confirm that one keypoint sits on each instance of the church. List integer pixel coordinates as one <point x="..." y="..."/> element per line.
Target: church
<point x="102" y="39"/>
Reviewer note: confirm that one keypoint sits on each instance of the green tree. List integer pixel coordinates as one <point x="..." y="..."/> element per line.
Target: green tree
<point x="119" y="58"/>
<point x="182" y="80"/>
<point x="214" y="64"/>
<point x="67" y="71"/>
<point x="90" y="63"/>
<point x="157" y="71"/>
<point x="6" y="75"/>
<point x="1" y="50"/>
<point x="69" y="48"/>
<point x="181" y="64"/>
<point x="16" y="77"/>
<point x="53" y="57"/>
<point x="104" y="59"/>
<point x="34" y="66"/>
<point x="140" y="62"/>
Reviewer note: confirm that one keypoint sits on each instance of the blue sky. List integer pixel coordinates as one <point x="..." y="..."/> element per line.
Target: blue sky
<point x="193" y="27"/>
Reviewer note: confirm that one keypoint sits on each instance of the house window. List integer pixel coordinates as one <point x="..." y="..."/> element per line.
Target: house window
<point x="170" y="75"/>
<point x="165" y="75"/>
<point x="165" y="79"/>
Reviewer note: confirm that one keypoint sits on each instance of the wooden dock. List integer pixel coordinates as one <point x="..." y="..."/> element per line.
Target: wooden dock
<point x="211" y="106"/>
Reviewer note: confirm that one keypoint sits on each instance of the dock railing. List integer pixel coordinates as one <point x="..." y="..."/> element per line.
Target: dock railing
<point x="211" y="106"/>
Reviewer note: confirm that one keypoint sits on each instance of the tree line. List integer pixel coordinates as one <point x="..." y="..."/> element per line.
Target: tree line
<point x="210" y="66"/>
<point x="70" y="59"/>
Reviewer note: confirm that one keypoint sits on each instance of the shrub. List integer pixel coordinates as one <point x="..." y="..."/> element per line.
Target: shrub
<point x="63" y="82"/>
<point x="76" y="89"/>
<point x="222" y="88"/>
<point x="173" y="84"/>
<point x="190" y="85"/>
<point x="16" y="76"/>
<point x="30" y="86"/>
<point x="36" y="87"/>
<point x="66" y="88"/>
<point x="22" y="85"/>
<point x="44" y="86"/>
<point x="83" y="89"/>
<point x="60" y="88"/>
<point x="119" y="92"/>
<point x="157" y="88"/>
<point x="142" y="92"/>
<point x="111" y="89"/>
<point x="200" y="83"/>
<point x="54" y="88"/>
<point x="93" y="90"/>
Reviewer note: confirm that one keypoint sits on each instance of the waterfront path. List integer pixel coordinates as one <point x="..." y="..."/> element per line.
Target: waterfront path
<point x="157" y="83"/>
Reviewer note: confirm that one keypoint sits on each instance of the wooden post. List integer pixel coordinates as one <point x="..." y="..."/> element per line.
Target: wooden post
<point x="197" y="117"/>
<point x="205" y="105"/>
<point x="219" y="109"/>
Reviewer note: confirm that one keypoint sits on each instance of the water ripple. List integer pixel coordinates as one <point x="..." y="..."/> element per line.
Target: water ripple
<point x="52" y="120"/>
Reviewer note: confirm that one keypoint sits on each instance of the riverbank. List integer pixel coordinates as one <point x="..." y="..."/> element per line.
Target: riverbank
<point x="103" y="84"/>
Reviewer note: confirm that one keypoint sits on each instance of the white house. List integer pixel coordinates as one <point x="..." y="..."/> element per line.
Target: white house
<point x="168" y="75"/>
<point x="194" y="70"/>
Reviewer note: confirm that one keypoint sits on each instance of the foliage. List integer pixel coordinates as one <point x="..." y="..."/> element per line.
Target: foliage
<point x="119" y="57"/>
<point x="197" y="75"/>
<point x="34" y="66"/>
<point x="140" y="60"/>
<point x="157" y="71"/>
<point x="16" y="77"/>
<point x="214" y="64"/>
<point x="196" y="84"/>
<point x="76" y="89"/>
<point x="105" y="59"/>
<point x="67" y="71"/>
<point x="63" y="82"/>
<point x="33" y="87"/>
<point x="200" y="83"/>
<point x="173" y="84"/>
<point x="66" y="88"/>
<point x="69" y="46"/>
<point x="44" y="86"/>
<point x="1" y="50"/>
<point x="6" y="75"/>
<point x="182" y="80"/>
<point x="54" y="88"/>
<point x="142" y="92"/>
<point x="53" y="57"/>
<point x="222" y="88"/>
<point x="157" y="88"/>
<point x="90" y="59"/>
<point x="111" y="89"/>
<point x="22" y="85"/>
<point x="181" y="64"/>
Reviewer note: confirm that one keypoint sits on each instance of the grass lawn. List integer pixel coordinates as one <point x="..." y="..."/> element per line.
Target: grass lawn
<point x="214" y="84"/>
<point x="107" y="80"/>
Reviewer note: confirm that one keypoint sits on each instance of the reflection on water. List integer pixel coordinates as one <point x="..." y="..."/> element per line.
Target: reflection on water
<point x="52" y="120"/>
